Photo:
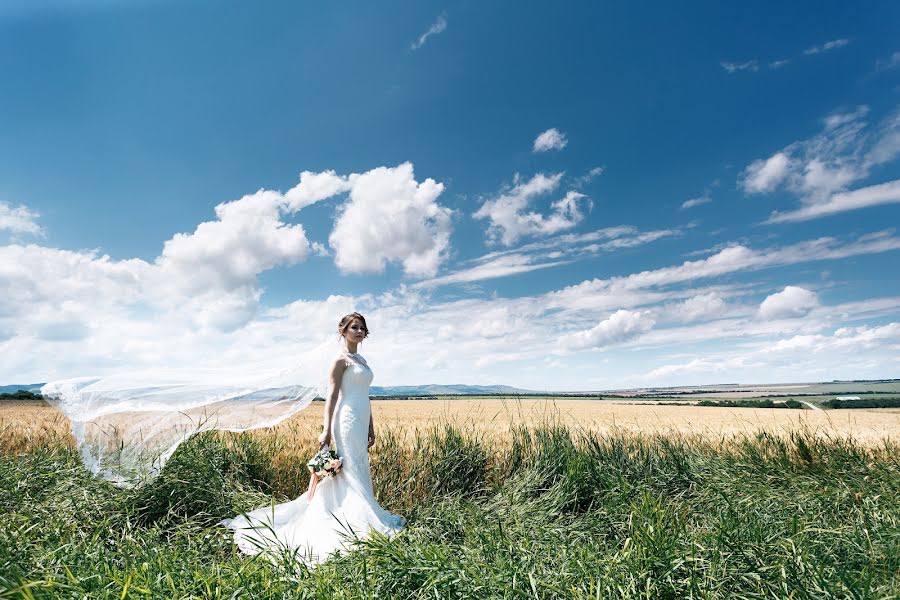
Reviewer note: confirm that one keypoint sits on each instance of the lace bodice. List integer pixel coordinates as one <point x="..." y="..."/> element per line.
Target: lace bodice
<point x="357" y="376"/>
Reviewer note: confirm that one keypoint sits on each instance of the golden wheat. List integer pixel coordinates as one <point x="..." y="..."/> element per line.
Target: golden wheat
<point x="25" y="425"/>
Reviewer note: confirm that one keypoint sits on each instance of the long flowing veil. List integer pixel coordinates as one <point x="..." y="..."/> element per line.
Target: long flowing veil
<point x="128" y="425"/>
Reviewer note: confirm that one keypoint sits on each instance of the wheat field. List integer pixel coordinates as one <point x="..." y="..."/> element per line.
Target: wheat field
<point x="28" y="424"/>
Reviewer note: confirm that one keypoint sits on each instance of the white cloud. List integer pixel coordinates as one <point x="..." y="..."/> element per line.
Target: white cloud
<point x="765" y="175"/>
<point x="599" y="293"/>
<point x="731" y="67"/>
<point x="496" y="339"/>
<point x="558" y="250"/>
<point x="820" y="170"/>
<point x="873" y="195"/>
<point x="789" y="303"/>
<point x="390" y="217"/>
<point x="819" y="166"/>
<point x="701" y="307"/>
<point x="754" y="65"/>
<point x="621" y="326"/>
<point x="206" y="281"/>
<point x="588" y="177"/>
<point x="437" y="27"/>
<point x="501" y="266"/>
<point x="891" y="62"/>
<point x="847" y="352"/>
<point x="697" y="365"/>
<point x="20" y="219"/>
<point x="247" y="238"/>
<point x="639" y="238"/>
<point x="606" y="238"/>
<point x="509" y="221"/>
<point x="838" y="118"/>
<point x="200" y="301"/>
<point x="314" y="187"/>
<point x="886" y="144"/>
<point x="698" y="201"/>
<point x="831" y="45"/>
<point x="864" y="337"/>
<point x="552" y="139"/>
<point x="867" y="336"/>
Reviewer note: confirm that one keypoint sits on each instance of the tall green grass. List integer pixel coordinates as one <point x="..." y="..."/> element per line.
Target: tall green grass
<point x="552" y="513"/>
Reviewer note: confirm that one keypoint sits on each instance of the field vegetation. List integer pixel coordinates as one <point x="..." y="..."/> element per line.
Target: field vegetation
<point x="764" y="403"/>
<point x="863" y="403"/>
<point x="531" y="507"/>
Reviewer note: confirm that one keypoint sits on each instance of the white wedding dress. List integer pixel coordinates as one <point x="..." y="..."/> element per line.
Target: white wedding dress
<point x="343" y="507"/>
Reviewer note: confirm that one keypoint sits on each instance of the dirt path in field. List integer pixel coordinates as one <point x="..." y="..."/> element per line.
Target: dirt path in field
<point x="811" y="405"/>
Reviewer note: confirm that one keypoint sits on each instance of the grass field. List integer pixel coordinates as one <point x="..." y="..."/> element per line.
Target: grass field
<point x="522" y="500"/>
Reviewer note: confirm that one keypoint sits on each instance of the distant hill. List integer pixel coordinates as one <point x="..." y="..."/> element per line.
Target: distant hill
<point x="28" y="387"/>
<point x="400" y="390"/>
<point x="441" y="390"/>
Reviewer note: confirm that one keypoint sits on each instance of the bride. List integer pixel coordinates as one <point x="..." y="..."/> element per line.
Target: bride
<point x="343" y="507"/>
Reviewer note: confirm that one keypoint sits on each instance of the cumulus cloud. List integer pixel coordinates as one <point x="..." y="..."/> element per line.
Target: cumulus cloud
<point x="789" y="303"/>
<point x="207" y="280"/>
<point x="437" y="27"/>
<point x="552" y="139"/>
<point x="200" y="302"/>
<point x="765" y="175"/>
<point x="75" y="326"/>
<point x="314" y="187"/>
<point x="700" y="307"/>
<point x="621" y="326"/>
<point x="204" y="280"/>
<point x="509" y="220"/>
<point x="390" y="217"/>
<point x="20" y="219"/>
<point x="821" y="169"/>
<point x="247" y="238"/>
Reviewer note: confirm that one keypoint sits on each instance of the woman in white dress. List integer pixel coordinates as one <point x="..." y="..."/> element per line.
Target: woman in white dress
<point x="343" y="507"/>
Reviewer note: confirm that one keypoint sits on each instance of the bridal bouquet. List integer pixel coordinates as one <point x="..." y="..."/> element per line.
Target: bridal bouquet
<point x="326" y="463"/>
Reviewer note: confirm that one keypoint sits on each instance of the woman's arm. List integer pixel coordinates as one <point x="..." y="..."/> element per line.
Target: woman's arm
<point x="334" y="387"/>
<point x="371" y="431"/>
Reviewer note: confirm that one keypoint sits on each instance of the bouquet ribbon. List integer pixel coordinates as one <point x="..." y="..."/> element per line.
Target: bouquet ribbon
<point x="313" y="482"/>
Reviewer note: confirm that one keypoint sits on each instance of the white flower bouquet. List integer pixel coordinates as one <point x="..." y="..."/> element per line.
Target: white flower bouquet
<point x="325" y="463"/>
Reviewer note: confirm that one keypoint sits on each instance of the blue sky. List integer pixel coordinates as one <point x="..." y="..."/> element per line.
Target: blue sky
<point x="555" y="196"/>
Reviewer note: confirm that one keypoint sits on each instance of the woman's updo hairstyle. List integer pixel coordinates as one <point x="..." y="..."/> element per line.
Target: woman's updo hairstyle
<point x="345" y="323"/>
